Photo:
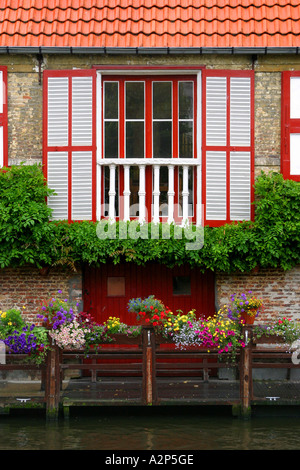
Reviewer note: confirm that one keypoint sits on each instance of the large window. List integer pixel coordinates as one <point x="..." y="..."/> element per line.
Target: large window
<point x="153" y="146"/>
<point x="149" y="117"/>
<point x="149" y="125"/>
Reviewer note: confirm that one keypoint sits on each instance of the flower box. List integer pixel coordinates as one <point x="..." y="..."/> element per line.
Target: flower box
<point x="269" y="339"/>
<point x="121" y="338"/>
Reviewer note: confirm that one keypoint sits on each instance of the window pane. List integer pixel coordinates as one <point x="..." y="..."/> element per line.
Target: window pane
<point x="186" y="139"/>
<point x="162" y="99"/>
<point x="134" y="190"/>
<point x="111" y="100"/>
<point x="111" y="139"/>
<point x="135" y="100"/>
<point x="181" y="285"/>
<point x="186" y="105"/>
<point x="162" y="139"/>
<point x="134" y="139"/>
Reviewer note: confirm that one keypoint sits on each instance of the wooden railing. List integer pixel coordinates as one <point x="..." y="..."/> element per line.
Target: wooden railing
<point x="148" y="359"/>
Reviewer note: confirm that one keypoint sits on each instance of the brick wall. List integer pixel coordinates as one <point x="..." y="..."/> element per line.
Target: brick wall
<point x="26" y="287"/>
<point x="279" y="290"/>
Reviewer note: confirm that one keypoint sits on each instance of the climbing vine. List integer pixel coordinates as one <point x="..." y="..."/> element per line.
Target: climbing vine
<point x="27" y="236"/>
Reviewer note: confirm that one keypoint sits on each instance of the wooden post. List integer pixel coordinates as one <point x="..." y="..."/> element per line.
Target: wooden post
<point x="149" y="394"/>
<point x="246" y="373"/>
<point x="52" y="391"/>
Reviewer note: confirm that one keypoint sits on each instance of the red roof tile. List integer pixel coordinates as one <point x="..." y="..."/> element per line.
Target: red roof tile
<point x="150" y="23"/>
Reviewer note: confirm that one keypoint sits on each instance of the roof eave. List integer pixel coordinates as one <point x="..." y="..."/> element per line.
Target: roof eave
<point x="148" y="50"/>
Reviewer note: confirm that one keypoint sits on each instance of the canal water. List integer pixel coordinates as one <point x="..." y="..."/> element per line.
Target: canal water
<point x="178" y="429"/>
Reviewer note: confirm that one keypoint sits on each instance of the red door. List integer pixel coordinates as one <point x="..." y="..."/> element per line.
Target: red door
<point x="108" y="289"/>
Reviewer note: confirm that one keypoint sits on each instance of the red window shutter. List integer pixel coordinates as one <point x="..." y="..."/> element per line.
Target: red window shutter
<point x="290" y="126"/>
<point x="70" y="142"/>
<point x="228" y="145"/>
<point x="3" y="117"/>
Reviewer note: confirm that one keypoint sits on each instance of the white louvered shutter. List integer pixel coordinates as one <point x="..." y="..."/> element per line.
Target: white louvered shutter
<point x="227" y="149"/>
<point x="290" y="141"/>
<point x="71" y="143"/>
<point x="3" y="117"/>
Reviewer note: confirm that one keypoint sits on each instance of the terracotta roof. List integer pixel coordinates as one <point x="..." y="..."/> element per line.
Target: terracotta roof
<point x="150" y="23"/>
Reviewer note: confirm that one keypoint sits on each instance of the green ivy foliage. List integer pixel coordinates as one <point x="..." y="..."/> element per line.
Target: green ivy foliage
<point x="24" y="214"/>
<point x="27" y="236"/>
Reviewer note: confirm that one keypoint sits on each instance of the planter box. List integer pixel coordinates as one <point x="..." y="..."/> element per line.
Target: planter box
<point x="119" y="338"/>
<point x="272" y="339"/>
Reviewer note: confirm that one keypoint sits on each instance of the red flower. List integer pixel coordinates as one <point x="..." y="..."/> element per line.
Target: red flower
<point x="151" y="306"/>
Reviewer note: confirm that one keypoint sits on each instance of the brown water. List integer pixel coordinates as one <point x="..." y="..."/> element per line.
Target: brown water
<point x="135" y="429"/>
